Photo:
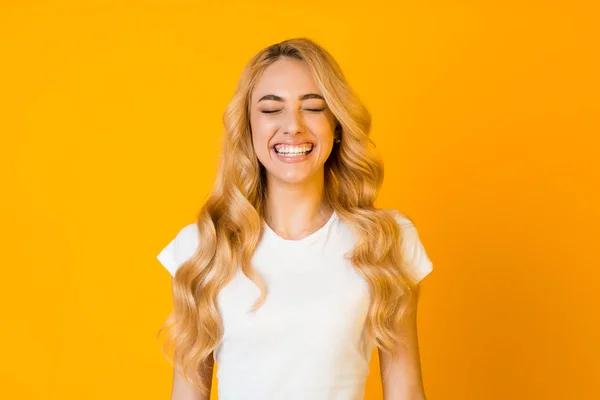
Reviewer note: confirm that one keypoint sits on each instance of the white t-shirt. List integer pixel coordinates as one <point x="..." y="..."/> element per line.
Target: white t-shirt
<point x="306" y="340"/>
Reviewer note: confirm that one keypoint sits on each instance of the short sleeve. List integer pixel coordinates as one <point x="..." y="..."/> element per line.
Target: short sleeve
<point x="418" y="263"/>
<point x="180" y="249"/>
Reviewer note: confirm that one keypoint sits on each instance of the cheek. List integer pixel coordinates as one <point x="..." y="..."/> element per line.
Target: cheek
<point x="321" y="127"/>
<point x="260" y="139"/>
<point x="262" y="125"/>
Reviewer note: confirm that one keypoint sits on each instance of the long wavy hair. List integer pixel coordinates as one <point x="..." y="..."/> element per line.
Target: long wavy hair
<point x="230" y="221"/>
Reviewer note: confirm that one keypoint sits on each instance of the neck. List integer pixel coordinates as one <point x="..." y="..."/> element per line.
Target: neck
<point x="294" y="211"/>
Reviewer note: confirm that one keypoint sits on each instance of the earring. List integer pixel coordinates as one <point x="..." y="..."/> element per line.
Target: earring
<point x="336" y="138"/>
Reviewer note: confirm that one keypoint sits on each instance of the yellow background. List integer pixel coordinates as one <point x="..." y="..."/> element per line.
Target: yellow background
<point x="486" y="113"/>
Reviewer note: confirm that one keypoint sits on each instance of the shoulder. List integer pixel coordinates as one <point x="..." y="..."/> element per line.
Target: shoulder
<point x="413" y="250"/>
<point x="187" y="237"/>
<point x="181" y="248"/>
<point x="402" y="219"/>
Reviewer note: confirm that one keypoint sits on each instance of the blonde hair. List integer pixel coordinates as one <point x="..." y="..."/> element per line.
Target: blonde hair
<point x="230" y="221"/>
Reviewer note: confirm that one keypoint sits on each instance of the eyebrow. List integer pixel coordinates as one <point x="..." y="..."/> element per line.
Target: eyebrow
<point x="303" y="97"/>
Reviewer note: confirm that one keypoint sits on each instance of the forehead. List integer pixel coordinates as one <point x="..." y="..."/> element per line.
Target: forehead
<point x="287" y="78"/>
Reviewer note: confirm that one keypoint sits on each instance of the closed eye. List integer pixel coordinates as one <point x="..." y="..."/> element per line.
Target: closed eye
<point x="307" y="109"/>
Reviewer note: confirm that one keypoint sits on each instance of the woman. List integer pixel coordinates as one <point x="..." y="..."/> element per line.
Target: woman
<point x="290" y="276"/>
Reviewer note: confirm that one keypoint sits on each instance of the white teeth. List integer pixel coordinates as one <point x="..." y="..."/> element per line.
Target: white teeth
<point x="288" y="150"/>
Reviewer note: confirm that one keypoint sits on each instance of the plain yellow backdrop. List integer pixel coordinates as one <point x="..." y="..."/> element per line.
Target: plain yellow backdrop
<point x="486" y="114"/>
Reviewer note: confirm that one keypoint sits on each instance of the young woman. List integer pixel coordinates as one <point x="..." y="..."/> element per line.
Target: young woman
<point x="290" y="277"/>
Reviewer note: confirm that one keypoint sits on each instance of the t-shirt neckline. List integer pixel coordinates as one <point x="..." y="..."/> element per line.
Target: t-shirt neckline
<point x="305" y="240"/>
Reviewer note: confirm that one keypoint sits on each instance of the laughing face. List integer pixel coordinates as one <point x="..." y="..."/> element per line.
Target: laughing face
<point x="292" y="127"/>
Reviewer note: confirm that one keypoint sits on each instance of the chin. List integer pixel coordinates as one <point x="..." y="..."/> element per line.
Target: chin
<point x="291" y="178"/>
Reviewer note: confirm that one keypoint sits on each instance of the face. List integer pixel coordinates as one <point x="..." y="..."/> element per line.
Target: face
<point x="292" y="127"/>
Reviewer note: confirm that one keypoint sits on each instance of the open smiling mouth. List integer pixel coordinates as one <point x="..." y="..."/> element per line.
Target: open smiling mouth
<point x="293" y="151"/>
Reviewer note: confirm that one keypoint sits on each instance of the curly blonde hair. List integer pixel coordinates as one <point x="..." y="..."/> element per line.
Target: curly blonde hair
<point x="229" y="223"/>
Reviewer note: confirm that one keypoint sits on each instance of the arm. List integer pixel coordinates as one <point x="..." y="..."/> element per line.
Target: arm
<point x="401" y="377"/>
<point x="184" y="391"/>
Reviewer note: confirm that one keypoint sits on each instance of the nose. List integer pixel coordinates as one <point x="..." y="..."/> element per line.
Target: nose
<point x="293" y="123"/>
